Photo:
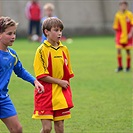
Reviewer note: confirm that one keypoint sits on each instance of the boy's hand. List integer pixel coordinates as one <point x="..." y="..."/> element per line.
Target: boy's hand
<point x="63" y="83"/>
<point x="38" y="86"/>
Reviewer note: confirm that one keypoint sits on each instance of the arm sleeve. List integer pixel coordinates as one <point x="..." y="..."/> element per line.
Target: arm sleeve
<point x="27" y="10"/>
<point x="132" y="20"/>
<point x="41" y="11"/>
<point x="40" y="64"/>
<point x="115" y="24"/>
<point x="69" y="65"/>
<point x="23" y="73"/>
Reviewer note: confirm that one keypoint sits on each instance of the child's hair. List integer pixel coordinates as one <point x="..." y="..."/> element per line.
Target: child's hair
<point x="48" y="6"/>
<point x="52" y="22"/>
<point x="123" y="2"/>
<point x="6" y="22"/>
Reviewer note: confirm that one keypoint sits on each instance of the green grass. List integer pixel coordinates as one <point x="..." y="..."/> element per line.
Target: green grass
<point x="102" y="98"/>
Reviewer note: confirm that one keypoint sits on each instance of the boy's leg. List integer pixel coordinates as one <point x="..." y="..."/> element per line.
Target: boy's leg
<point x="30" y="29"/>
<point x="47" y="126"/>
<point x="59" y="117"/>
<point x="13" y="124"/>
<point x="38" y="28"/>
<point x="59" y="126"/>
<point x="128" y="59"/>
<point x="119" y="60"/>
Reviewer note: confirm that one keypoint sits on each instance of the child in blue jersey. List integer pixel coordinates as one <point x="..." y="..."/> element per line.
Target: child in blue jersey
<point x="9" y="62"/>
<point x="49" y="12"/>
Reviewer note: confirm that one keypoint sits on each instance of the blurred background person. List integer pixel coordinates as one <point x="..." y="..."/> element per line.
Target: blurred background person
<point x="48" y="11"/>
<point x="33" y="14"/>
<point x="123" y="26"/>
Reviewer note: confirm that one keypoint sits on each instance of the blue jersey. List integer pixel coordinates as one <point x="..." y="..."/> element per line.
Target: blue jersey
<point x="9" y="62"/>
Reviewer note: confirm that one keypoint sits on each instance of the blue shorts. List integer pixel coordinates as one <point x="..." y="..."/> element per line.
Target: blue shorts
<point x="7" y="108"/>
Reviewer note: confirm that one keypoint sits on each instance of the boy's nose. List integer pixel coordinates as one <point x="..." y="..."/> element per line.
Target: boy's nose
<point x="60" y="33"/>
<point x="13" y="36"/>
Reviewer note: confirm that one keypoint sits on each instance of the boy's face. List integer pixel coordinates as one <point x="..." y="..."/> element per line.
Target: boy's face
<point x="54" y="34"/>
<point x="123" y="6"/>
<point x="8" y="36"/>
<point x="49" y="12"/>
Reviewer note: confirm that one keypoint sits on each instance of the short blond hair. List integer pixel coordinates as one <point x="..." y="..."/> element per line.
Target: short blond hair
<point x="51" y="22"/>
<point x="6" y="22"/>
<point x="48" y="6"/>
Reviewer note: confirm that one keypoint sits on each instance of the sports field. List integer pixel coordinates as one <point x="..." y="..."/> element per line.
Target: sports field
<point x="102" y="98"/>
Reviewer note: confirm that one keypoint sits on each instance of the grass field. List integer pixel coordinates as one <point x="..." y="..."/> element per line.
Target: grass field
<point x="102" y="98"/>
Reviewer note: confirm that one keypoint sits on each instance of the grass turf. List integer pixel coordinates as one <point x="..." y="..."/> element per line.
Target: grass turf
<point x="102" y="98"/>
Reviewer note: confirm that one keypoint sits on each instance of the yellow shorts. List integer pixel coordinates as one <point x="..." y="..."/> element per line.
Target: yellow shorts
<point x="55" y="115"/>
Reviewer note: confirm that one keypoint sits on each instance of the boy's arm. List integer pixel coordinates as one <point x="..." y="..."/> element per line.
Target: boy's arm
<point x="62" y="83"/>
<point x="25" y="75"/>
<point x="27" y="10"/>
<point x="131" y="31"/>
<point x="69" y="65"/>
<point x="130" y="34"/>
<point x="115" y="23"/>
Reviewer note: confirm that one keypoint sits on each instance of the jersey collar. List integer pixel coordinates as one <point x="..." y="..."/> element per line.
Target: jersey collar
<point x="123" y="12"/>
<point x="50" y="45"/>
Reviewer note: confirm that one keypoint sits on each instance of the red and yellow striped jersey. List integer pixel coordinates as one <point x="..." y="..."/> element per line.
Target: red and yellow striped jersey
<point x="55" y="62"/>
<point x="122" y="24"/>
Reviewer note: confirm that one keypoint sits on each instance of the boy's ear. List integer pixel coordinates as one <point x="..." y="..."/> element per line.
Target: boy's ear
<point x="46" y="32"/>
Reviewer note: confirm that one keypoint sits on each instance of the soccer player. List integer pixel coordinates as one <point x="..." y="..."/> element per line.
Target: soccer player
<point x="123" y="25"/>
<point x="49" y="12"/>
<point x="53" y="69"/>
<point x="9" y="62"/>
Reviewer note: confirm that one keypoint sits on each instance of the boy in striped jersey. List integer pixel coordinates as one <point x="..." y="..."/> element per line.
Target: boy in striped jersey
<point x="53" y="69"/>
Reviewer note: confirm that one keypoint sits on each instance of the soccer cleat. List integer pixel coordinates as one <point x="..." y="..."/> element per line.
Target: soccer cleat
<point x="127" y="69"/>
<point x="119" y="69"/>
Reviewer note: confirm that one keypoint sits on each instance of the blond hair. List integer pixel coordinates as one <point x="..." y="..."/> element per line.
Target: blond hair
<point x="6" y="22"/>
<point x="51" y="22"/>
<point x="49" y="6"/>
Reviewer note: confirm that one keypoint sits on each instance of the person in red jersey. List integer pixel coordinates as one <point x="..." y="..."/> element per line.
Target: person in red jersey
<point x="33" y="13"/>
<point x="123" y="26"/>
<point x="53" y="69"/>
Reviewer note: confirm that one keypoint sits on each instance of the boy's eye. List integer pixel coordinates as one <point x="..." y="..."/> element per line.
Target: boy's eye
<point x="10" y="33"/>
<point x="56" y="30"/>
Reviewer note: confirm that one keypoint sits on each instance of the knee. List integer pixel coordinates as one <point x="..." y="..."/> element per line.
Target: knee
<point x="59" y="124"/>
<point x="47" y="129"/>
<point x="17" y="129"/>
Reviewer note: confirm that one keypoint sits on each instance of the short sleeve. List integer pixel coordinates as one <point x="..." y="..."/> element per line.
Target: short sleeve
<point x="115" y="24"/>
<point x="40" y="64"/>
<point x="69" y="65"/>
<point x="132" y="19"/>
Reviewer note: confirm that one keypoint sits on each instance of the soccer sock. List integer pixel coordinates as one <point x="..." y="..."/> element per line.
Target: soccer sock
<point x="128" y="61"/>
<point x="119" y="59"/>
